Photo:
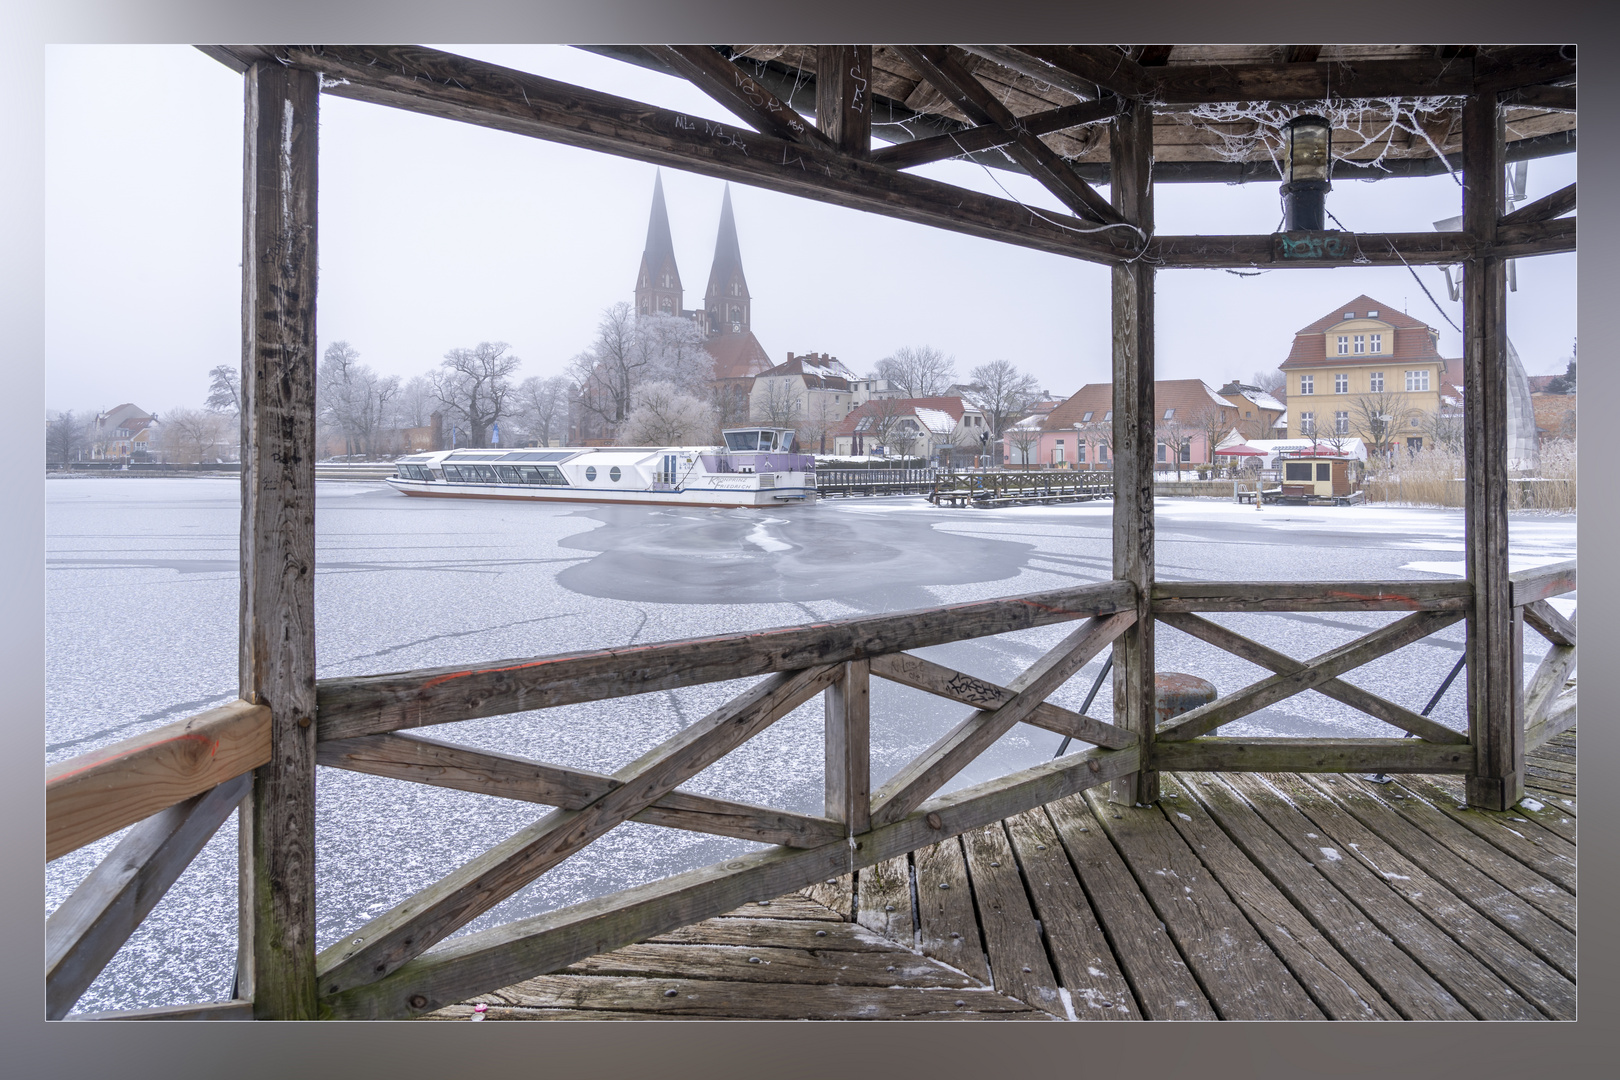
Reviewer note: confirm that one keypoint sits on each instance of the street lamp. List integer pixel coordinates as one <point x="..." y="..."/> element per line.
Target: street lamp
<point x="1307" y="156"/>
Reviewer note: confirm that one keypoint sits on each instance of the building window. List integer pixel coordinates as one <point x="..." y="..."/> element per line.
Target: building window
<point x="1344" y="344"/>
<point x="1109" y="415"/>
<point x="1102" y="452"/>
<point x="1169" y="414"/>
<point x="1341" y="423"/>
<point x="1086" y="419"/>
<point x="1162" y="454"/>
<point x="1080" y="451"/>
<point x="1307" y="384"/>
<point x="1307" y="423"/>
<point x="1417" y="380"/>
<point x="1372" y="314"/>
<point x="1349" y="314"/>
<point x="1377" y="343"/>
<point x="1375" y="382"/>
<point x="1414" y="444"/>
<point x="1341" y="383"/>
<point x="1186" y="449"/>
<point x="1361" y="343"/>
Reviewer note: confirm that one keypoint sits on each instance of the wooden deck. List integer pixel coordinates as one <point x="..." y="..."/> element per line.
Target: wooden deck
<point x="1241" y="896"/>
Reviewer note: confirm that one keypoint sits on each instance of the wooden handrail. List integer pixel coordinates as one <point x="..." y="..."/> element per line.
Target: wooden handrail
<point x="1172" y="596"/>
<point x="96" y="794"/>
<point x="1540" y="582"/>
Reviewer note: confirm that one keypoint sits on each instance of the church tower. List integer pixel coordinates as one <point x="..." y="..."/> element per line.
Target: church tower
<point x="658" y="286"/>
<point x="726" y="299"/>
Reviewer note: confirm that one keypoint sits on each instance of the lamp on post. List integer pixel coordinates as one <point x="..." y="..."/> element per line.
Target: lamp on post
<point x="1308" y="155"/>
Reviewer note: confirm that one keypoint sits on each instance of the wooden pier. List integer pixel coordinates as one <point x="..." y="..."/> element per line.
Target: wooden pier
<point x="1241" y="896"/>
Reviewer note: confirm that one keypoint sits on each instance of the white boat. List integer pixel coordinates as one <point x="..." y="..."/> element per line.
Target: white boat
<point x="756" y="467"/>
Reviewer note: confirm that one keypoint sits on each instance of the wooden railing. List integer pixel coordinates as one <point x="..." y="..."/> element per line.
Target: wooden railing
<point x="1008" y="488"/>
<point x="179" y="783"/>
<point x="835" y="482"/>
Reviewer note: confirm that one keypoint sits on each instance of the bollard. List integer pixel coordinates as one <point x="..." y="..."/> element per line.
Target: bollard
<point x="1175" y="693"/>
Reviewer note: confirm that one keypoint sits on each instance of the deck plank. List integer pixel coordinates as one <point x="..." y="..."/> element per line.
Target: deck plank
<point x="1012" y="942"/>
<point x="786" y="933"/>
<point x="1158" y="976"/>
<point x="1529" y="926"/>
<point x="1242" y="977"/>
<point x="948" y="926"/>
<point x="756" y="963"/>
<point x="1405" y="984"/>
<point x="883" y="899"/>
<point x="791" y="906"/>
<point x="837" y="894"/>
<point x="1486" y="995"/>
<point x="1547" y="854"/>
<point x="1532" y="977"/>
<point x="1333" y="982"/>
<point x="1085" y="965"/>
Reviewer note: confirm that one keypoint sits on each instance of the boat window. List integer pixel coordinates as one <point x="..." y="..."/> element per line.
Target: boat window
<point x="614" y="474"/>
<point x="538" y="455"/>
<point x="742" y="440"/>
<point x="509" y="474"/>
<point x="543" y="474"/>
<point x="590" y="472"/>
<point x="788" y="439"/>
<point x="452" y="473"/>
<point x="482" y="474"/>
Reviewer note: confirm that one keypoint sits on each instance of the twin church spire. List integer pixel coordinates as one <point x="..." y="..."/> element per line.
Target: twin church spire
<point x="726" y="302"/>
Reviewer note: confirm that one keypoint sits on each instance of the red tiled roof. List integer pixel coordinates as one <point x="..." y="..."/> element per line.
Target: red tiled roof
<point x="737" y="356"/>
<point x="1186" y="396"/>
<point x="1413" y="339"/>
<point x="902" y="406"/>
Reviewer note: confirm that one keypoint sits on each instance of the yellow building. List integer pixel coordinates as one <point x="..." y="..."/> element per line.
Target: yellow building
<point x="1371" y="372"/>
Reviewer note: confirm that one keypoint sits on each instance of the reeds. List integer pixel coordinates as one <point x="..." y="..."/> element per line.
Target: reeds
<point x="1434" y="478"/>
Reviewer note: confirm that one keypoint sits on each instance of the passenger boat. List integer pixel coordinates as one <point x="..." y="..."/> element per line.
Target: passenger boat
<point x="755" y="467"/>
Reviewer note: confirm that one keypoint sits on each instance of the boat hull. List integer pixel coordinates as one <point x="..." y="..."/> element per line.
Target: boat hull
<point x="689" y="496"/>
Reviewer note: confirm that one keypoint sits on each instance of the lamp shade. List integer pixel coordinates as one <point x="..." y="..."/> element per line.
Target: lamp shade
<point x="1309" y="148"/>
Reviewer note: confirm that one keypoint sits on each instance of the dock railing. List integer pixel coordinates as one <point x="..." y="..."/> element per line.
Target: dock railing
<point x="852" y="482"/>
<point x="1013" y="488"/>
<point x="177" y="784"/>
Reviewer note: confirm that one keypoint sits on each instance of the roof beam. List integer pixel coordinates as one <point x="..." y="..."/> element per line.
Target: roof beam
<point x="1523" y="65"/>
<point x="939" y="147"/>
<point x="1551" y="98"/>
<point x="1357" y="249"/>
<point x="1009" y="57"/>
<point x="1043" y="163"/>
<point x="732" y="87"/>
<point x="1545" y="208"/>
<point x="455" y="87"/>
<point x="1155" y="55"/>
<point x="1193" y="84"/>
<point x="1108" y="68"/>
<point x="1301" y="54"/>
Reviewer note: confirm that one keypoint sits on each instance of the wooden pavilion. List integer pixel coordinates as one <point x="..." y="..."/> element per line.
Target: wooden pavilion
<point x="1069" y="116"/>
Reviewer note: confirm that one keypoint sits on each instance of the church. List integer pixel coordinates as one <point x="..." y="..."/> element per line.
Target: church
<point x="726" y="314"/>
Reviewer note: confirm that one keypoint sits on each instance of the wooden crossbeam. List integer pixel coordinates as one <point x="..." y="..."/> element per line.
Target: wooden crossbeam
<point x="1108" y="68"/>
<point x="370" y="704"/>
<point x="920" y="674"/>
<point x="939" y="147"/>
<point x="417" y="923"/>
<point x="955" y="749"/>
<point x="1354" y="696"/>
<point x="1522" y="238"/>
<point x="848" y="748"/>
<point x="732" y="87"/>
<point x="490" y="959"/>
<point x="1155" y="55"/>
<point x="441" y="764"/>
<point x="1561" y="716"/>
<point x="947" y="74"/>
<point x="1522" y="65"/>
<point x="1301" y="54"/>
<point x="844" y="96"/>
<point x="1542" y="582"/>
<point x="1552" y="98"/>
<point x="1014" y="59"/>
<point x="1311" y="675"/>
<point x="1176" y="596"/>
<point x="96" y="794"/>
<point x="1547" y="684"/>
<point x="1193" y="84"/>
<point x="90" y="926"/>
<point x="1545" y="208"/>
<point x="1549" y="623"/>
<point x="1215" y="754"/>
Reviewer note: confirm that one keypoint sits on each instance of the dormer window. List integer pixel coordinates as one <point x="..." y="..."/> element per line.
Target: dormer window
<point x="1349" y="314"/>
<point x="1372" y="314"/>
<point x="1169" y="414"/>
<point x="1086" y="419"/>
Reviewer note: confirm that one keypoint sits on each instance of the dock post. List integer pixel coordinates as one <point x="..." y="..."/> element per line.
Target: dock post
<point x="276" y="955"/>
<point x="1131" y="155"/>
<point x="848" y="748"/>
<point x="1495" y="669"/>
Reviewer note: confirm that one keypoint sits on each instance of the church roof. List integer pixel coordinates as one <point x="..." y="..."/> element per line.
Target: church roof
<point x="727" y="252"/>
<point x="738" y="356"/>
<point x="660" y="248"/>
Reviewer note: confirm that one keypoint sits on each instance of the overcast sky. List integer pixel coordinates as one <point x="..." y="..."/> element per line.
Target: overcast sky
<point x="435" y="235"/>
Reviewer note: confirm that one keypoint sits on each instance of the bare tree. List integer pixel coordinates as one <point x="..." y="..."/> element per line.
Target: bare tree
<point x="1272" y="380"/>
<point x="1212" y="422"/>
<point x="224" y="391"/>
<point x="923" y="371"/>
<point x="415" y="402"/>
<point x="66" y="437"/>
<point x="541" y="405"/>
<point x="1025" y="438"/>
<point x="1374" y="417"/>
<point x="904" y="435"/>
<point x="1173" y="432"/>
<point x="1444" y="427"/>
<point x="353" y="400"/>
<point x="1101" y="431"/>
<point x="473" y="387"/>
<point x="629" y="351"/>
<point x="821" y="418"/>
<point x="663" y="415"/>
<point x="781" y="404"/>
<point x="883" y="416"/>
<point x="1002" y="393"/>
<point x="194" y="435"/>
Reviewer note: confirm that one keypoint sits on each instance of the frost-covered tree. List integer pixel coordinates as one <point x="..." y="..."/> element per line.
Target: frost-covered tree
<point x="922" y="371"/>
<point x="195" y="435"/>
<point x="1272" y="381"/>
<point x="67" y="437"/>
<point x="473" y="387"/>
<point x="630" y="351"/>
<point x="541" y="406"/>
<point x="415" y="403"/>
<point x="224" y="390"/>
<point x="1002" y="393"/>
<point x="664" y="415"/>
<point x="353" y="401"/>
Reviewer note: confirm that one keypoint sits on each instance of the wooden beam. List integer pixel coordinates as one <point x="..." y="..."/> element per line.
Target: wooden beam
<point x="1193" y="84"/>
<point x="1175" y="596"/>
<point x="1130" y="147"/>
<point x="1495" y="682"/>
<point x="277" y="647"/>
<point x="96" y="794"/>
<point x="1561" y="716"/>
<point x="848" y="748"/>
<point x="1107" y="67"/>
<point x="370" y="704"/>
<point x="422" y="920"/>
<point x="1338" y="689"/>
<point x="490" y="959"/>
<point x="844" y="97"/>
<point x="1214" y="754"/>
<point x="1549" y="623"/>
<point x="235" y="1009"/>
<point x="1497" y="70"/>
<point x="732" y="87"/>
<point x="940" y="147"/>
<point x="441" y="764"/>
<point x="1310" y="250"/>
<point x="91" y="925"/>
<point x="1542" y="582"/>
<point x="1012" y="58"/>
<point x="1547" y="684"/>
<point x="1545" y="208"/>
<point x="1155" y="55"/>
<point x="920" y="674"/>
<point x="1521" y="239"/>
<point x="1301" y="54"/>
<point x="442" y="84"/>
<point x="1551" y="98"/>
<point x="954" y="750"/>
<point x="1309" y="676"/>
<point x="1042" y="162"/>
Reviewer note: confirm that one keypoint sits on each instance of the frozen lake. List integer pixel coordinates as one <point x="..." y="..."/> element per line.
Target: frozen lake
<point x="141" y="630"/>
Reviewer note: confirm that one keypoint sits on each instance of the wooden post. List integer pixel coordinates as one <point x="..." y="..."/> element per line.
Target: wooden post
<point x="277" y="965"/>
<point x="1131" y="158"/>
<point x="844" y="96"/>
<point x="1495" y="674"/>
<point x="849" y="759"/>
